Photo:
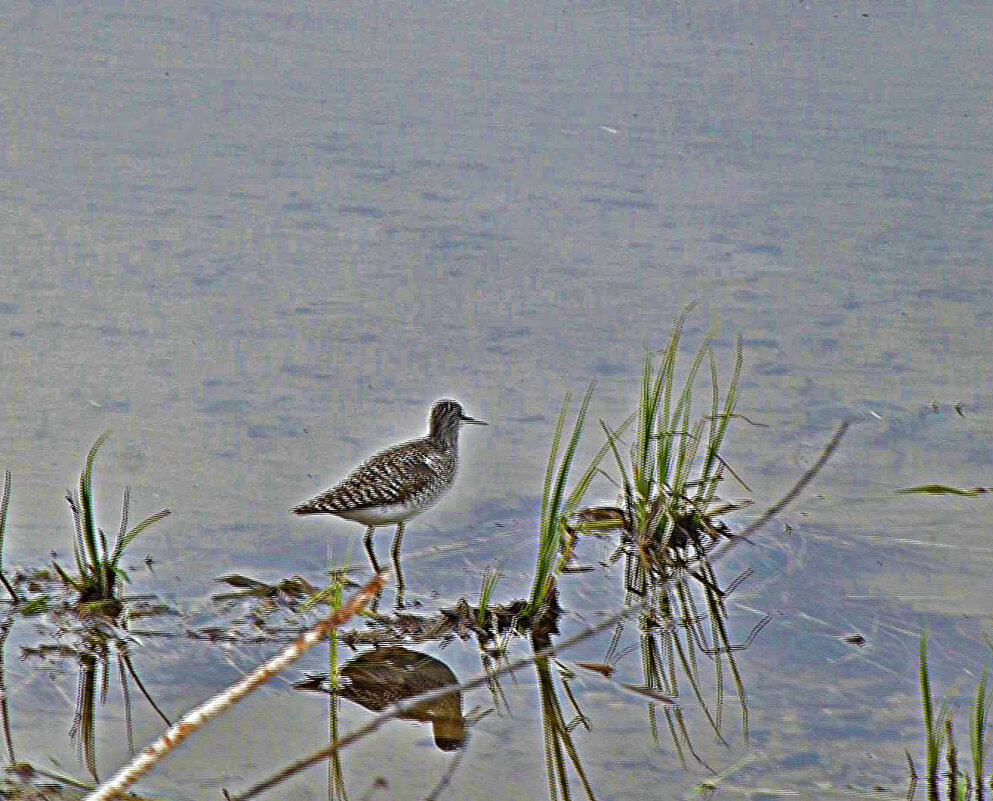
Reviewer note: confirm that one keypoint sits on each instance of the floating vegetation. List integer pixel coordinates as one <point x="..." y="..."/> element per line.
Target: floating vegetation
<point x="941" y="489"/>
<point x="294" y="588"/>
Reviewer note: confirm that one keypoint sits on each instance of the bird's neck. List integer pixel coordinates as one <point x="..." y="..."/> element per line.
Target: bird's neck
<point x="447" y="438"/>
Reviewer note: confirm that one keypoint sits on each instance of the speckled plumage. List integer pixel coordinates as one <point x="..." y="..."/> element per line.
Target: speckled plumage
<point x="399" y="482"/>
<point x="391" y="486"/>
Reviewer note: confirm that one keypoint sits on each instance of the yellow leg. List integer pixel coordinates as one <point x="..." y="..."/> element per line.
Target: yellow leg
<point x="395" y="551"/>
<point x="369" y="550"/>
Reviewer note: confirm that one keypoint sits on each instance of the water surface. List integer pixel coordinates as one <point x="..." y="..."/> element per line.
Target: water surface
<point x="258" y="242"/>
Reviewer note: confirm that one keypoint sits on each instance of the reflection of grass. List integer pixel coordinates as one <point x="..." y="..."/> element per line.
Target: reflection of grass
<point x="98" y="570"/>
<point x="8" y="740"/>
<point x="331" y="595"/>
<point x="93" y="680"/>
<point x="558" y="737"/>
<point x="939" y="738"/>
<point x="92" y="654"/>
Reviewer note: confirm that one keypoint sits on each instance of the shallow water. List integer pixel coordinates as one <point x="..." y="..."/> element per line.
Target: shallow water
<point x="258" y="243"/>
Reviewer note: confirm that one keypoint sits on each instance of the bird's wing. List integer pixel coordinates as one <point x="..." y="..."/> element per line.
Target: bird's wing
<point x="387" y="478"/>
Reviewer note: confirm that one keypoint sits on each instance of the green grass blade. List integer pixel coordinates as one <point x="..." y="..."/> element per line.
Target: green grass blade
<point x="703" y="350"/>
<point x="719" y="428"/>
<point x="715" y="394"/>
<point x="643" y="447"/>
<point x="4" y="503"/>
<point x="490" y="578"/>
<point x="77" y="544"/>
<point x="687" y="453"/>
<point x="130" y="537"/>
<point x="68" y="580"/>
<point x="563" y="475"/>
<point x="977" y="732"/>
<point x="677" y="470"/>
<point x="125" y="511"/>
<point x="552" y="501"/>
<point x="625" y="480"/>
<point x="86" y="511"/>
<point x="681" y="415"/>
<point x="933" y="744"/>
<point x="552" y="457"/>
<point x="714" y="419"/>
<point x="661" y="425"/>
<point x="89" y="554"/>
<point x="925" y="681"/>
<point x="547" y="534"/>
<point x="612" y="442"/>
<point x="92" y="455"/>
<point x="576" y="496"/>
<point x="334" y="601"/>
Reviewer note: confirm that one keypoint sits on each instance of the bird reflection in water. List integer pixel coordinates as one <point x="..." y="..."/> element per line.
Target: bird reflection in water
<point x="383" y="676"/>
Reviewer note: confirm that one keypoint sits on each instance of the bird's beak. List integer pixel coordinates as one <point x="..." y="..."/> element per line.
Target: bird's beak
<point x="472" y="420"/>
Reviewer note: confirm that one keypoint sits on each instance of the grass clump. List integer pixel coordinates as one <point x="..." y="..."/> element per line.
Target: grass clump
<point x="666" y="506"/>
<point x="668" y="522"/>
<point x="98" y="568"/>
<point x="490" y="578"/>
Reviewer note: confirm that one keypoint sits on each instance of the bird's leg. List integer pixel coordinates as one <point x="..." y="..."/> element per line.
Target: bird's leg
<point x="395" y="551"/>
<point x="369" y="550"/>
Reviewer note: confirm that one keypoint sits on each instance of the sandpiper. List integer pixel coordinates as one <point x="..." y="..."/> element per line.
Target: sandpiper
<point x="400" y="482"/>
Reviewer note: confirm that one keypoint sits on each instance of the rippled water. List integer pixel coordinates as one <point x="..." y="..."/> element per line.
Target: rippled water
<point x="259" y="241"/>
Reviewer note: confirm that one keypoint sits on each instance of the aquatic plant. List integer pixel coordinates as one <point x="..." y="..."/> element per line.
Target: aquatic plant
<point x="490" y="578"/>
<point x="939" y="737"/>
<point x="555" y="506"/>
<point x="668" y="520"/>
<point x="98" y="570"/>
<point x="665" y="509"/>
<point x="4" y="504"/>
<point x="559" y="744"/>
